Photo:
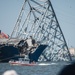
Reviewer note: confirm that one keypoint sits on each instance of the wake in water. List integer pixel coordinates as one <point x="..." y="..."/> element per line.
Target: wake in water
<point x="48" y="64"/>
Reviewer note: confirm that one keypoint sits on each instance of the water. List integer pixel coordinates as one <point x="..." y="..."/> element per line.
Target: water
<point x="52" y="69"/>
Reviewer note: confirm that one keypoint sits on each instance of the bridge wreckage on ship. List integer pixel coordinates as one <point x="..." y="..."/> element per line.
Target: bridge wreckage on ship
<point x="38" y="19"/>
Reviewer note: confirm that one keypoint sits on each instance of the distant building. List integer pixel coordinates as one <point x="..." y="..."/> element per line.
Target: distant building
<point x="72" y="51"/>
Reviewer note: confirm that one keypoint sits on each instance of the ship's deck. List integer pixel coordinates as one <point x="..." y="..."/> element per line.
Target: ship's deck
<point x="10" y="41"/>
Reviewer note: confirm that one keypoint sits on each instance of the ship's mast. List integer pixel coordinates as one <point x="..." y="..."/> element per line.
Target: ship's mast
<point x="38" y="19"/>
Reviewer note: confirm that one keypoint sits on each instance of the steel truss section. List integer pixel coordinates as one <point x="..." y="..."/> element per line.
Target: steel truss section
<point x="38" y="19"/>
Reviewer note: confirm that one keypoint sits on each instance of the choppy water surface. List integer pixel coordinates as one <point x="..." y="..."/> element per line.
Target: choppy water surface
<point x="52" y="69"/>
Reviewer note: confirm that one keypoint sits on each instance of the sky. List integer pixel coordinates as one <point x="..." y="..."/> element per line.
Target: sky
<point x="64" y="9"/>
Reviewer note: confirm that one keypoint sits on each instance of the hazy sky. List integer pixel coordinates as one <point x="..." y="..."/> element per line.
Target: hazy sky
<point x="64" y="9"/>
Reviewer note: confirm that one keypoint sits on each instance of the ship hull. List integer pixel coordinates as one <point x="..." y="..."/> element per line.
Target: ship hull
<point x="8" y="52"/>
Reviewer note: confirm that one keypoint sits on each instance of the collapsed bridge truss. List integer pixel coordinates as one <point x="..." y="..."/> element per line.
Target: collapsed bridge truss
<point x="38" y="19"/>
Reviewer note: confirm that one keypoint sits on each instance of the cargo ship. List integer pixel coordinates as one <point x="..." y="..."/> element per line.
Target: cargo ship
<point x="14" y="49"/>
